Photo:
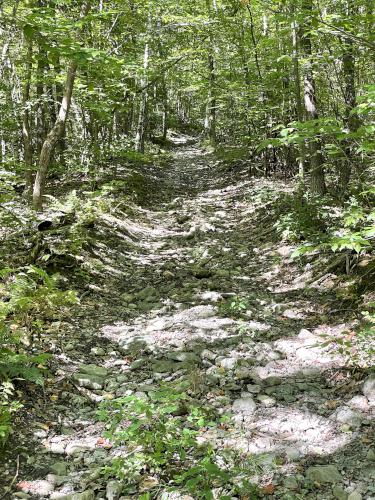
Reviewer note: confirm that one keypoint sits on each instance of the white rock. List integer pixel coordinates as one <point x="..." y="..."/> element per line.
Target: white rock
<point x="369" y="388"/>
<point x="228" y="363"/>
<point x="113" y="490"/>
<point x="266" y="401"/>
<point x="359" y="403"/>
<point x="355" y="495"/>
<point x="244" y="405"/>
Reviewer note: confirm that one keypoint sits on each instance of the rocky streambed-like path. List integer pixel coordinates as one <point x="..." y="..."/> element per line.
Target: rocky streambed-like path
<point x="198" y="288"/>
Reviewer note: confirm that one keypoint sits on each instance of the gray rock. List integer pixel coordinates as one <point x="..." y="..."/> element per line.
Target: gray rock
<point x="291" y="483"/>
<point x="266" y="400"/>
<point x="339" y="493"/>
<point x="88" y="381"/>
<point x="164" y="366"/>
<point x="355" y="495"/>
<point x="243" y="373"/>
<point x="347" y="416"/>
<point x="113" y="490"/>
<point x="324" y="474"/>
<point x="227" y="363"/>
<point x="371" y="455"/>
<point x="174" y="495"/>
<point x="244" y="405"/>
<point x="186" y="357"/>
<point x="253" y="388"/>
<point x="59" y="468"/>
<point x="207" y="354"/>
<point x="98" y="351"/>
<point x="368" y="388"/>
<point x="90" y="376"/>
<point x="95" y="370"/>
<point x="41" y="488"/>
<point x="86" y="495"/>
<point x="138" y="363"/>
<point x="358" y="403"/>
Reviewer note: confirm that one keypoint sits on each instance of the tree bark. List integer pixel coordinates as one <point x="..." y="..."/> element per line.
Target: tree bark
<point x="210" y="118"/>
<point x="298" y="93"/>
<point x="317" y="182"/>
<point x="351" y="120"/>
<point x="57" y="130"/>
<point x="143" y="107"/>
<point x="26" y="129"/>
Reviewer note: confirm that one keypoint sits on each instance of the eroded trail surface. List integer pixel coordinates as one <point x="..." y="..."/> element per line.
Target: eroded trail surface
<point x="198" y="289"/>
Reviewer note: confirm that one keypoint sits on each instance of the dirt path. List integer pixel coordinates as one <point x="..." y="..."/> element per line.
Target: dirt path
<point x="198" y="288"/>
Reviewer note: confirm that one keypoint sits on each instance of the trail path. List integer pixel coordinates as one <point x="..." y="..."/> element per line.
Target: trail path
<point x="160" y="310"/>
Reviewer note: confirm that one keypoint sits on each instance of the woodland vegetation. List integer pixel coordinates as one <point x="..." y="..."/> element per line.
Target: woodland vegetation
<point x="100" y="100"/>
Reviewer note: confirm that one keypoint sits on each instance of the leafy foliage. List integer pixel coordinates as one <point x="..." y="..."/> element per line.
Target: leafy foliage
<point x="159" y="438"/>
<point x="29" y="298"/>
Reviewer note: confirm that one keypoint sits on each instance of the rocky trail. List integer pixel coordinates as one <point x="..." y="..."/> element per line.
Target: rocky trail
<point x="198" y="288"/>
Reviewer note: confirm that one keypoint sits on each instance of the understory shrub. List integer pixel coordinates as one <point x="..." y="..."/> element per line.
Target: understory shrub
<point x="29" y="298"/>
<point x="156" y="437"/>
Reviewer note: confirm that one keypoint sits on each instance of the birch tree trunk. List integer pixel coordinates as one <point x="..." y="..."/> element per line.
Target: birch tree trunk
<point x="57" y="131"/>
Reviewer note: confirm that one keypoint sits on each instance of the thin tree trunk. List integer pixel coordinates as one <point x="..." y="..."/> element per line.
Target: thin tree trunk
<point x="298" y="94"/>
<point x="318" y="185"/>
<point x="210" y="119"/>
<point x="57" y="130"/>
<point x="26" y="129"/>
<point x="143" y="108"/>
<point x="351" y="120"/>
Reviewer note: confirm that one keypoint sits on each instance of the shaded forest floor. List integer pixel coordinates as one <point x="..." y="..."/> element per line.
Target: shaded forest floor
<point x="198" y="288"/>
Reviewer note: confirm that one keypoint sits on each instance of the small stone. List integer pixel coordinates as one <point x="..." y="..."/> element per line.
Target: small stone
<point x="57" y="447"/>
<point x="371" y="455"/>
<point x="324" y="474"/>
<point x="59" y="468"/>
<point x="98" y="351"/>
<point x="359" y="403"/>
<point x="347" y="416"/>
<point x="138" y="363"/>
<point x="186" y="357"/>
<point x="355" y="495"/>
<point x="253" y="388"/>
<point x="339" y="493"/>
<point x="243" y="373"/>
<point x="86" y="495"/>
<point x="291" y="483"/>
<point x="39" y="488"/>
<point x="228" y="363"/>
<point x="266" y="401"/>
<point x="244" y="405"/>
<point x="207" y="354"/>
<point x="292" y="453"/>
<point x="113" y="490"/>
<point x="368" y="388"/>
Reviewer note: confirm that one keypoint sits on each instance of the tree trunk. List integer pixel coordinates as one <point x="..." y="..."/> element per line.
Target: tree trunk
<point x="210" y="119"/>
<point x="57" y="130"/>
<point x="351" y="120"/>
<point x="143" y="108"/>
<point x="26" y="129"/>
<point x="298" y="98"/>
<point x="317" y="183"/>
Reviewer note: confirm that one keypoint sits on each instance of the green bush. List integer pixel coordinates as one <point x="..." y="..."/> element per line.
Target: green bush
<point x="29" y="298"/>
<point x="157" y="436"/>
